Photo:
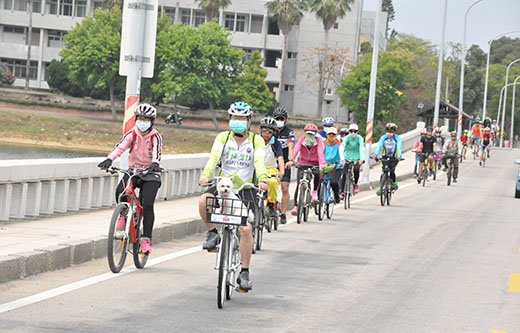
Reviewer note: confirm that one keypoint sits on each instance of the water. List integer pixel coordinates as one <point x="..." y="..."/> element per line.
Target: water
<point x="22" y="152"/>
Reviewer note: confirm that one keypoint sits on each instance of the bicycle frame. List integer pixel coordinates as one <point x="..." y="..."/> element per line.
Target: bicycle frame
<point x="130" y="192"/>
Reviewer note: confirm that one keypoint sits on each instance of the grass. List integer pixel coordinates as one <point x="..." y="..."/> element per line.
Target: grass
<point x="93" y="135"/>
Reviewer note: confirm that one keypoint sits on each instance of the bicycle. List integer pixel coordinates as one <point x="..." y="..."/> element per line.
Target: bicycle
<point x="305" y="195"/>
<point x="326" y="194"/>
<point x="385" y="181"/>
<point x="426" y="168"/>
<point x="260" y="218"/>
<point x="483" y="159"/>
<point x="449" y="171"/>
<point x="348" y="187"/>
<point x="120" y="232"/>
<point x="436" y="164"/>
<point x="475" y="145"/>
<point x="273" y="221"/>
<point x="233" y="214"/>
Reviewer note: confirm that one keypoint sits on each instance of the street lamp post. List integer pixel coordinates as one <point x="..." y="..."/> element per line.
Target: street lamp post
<point x="487" y="69"/>
<point x="340" y="76"/>
<point x="461" y="93"/>
<point x="439" y="69"/>
<point x="505" y="97"/>
<point x="513" y="114"/>
<point x="372" y="94"/>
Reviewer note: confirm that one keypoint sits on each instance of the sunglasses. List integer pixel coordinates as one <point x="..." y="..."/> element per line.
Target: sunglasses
<point x="331" y="134"/>
<point x="280" y="118"/>
<point x="270" y="130"/>
<point x="353" y="131"/>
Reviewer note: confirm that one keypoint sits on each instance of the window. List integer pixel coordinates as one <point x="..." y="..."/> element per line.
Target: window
<point x="329" y="91"/>
<point x="336" y="25"/>
<point x="248" y="53"/>
<point x="8" y="4"/>
<point x="66" y="7"/>
<point x="229" y="22"/>
<point x="289" y="87"/>
<point x="37" y="6"/>
<point x="98" y="4"/>
<point x="51" y="7"/>
<point x="20" y="5"/>
<point x="14" y="35"/>
<point x="272" y="58"/>
<point x="291" y="55"/>
<point x="241" y="23"/>
<point x="199" y="18"/>
<point x="81" y="8"/>
<point x="55" y="38"/>
<point x="35" y="38"/>
<point x="46" y="71"/>
<point x="170" y="12"/>
<point x="17" y="67"/>
<point x="256" y="24"/>
<point x="272" y="27"/>
<point x="185" y="16"/>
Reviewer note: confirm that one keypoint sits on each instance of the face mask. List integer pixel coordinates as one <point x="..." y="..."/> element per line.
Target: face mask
<point x="238" y="126"/>
<point x="309" y="140"/>
<point x="390" y="135"/>
<point x="353" y="135"/>
<point x="280" y="124"/>
<point x="143" y="125"/>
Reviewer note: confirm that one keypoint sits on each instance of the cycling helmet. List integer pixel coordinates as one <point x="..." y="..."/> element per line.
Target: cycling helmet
<point x="240" y="109"/>
<point x="391" y="127"/>
<point x="353" y="127"/>
<point x="453" y="133"/>
<point x="328" y="121"/>
<point x="280" y="112"/>
<point x="343" y="131"/>
<point x="429" y="129"/>
<point x="465" y="131"/>
<point x="311" y="128"/>
<point x="487" y="129"/>
<point x="146" y="110"/>
<point x="268" y="122"/>
<point x="331" y="129"/>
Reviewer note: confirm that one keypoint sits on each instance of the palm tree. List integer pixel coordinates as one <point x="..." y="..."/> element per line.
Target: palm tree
<point x="328" y="11"/>
<point x="287" y="13"/>
<point x="211" y="7"/>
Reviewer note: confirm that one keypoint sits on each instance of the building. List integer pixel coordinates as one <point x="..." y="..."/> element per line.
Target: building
<point x="368" y="28"/>
<point x="248" y="21"/>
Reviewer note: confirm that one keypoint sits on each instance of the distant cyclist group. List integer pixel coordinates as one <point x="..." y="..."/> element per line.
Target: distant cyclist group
<point x="252" y="169"/>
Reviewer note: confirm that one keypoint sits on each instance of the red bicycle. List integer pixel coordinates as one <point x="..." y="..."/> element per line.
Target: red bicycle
<point x="121" y="232"/>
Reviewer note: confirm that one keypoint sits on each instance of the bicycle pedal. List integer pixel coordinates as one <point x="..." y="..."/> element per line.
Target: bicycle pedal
<point x="242" y="291"/>
<point x="213" y="251"/>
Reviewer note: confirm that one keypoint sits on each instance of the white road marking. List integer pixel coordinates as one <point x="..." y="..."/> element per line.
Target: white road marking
<point x="48" y="294"/>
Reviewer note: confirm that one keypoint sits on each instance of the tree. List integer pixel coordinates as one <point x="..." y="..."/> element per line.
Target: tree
<point x="211" y="7"/>
<point x="287" y="13"/>
<point x="365" y="47"/>
<point x="328" y="11"/>
<point x="388" y="7"/>
<point x="92" y="51"/>
<point x="251" y="88"/>
<point x="59" y="79"/>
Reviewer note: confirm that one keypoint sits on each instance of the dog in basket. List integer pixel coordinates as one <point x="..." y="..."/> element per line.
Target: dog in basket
<point x="229" y="203"/>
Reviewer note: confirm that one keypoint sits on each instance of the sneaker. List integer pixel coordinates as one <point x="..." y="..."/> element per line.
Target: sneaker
<point x="244" y="282"/>
<point x="378" y="191"/>
<point x="454" y="180"/>
<point x="394" y="186"/>
<point x="212" y="240"/>
<point x="283" y="219"/>
<point x="145" y="245"/>
<point x="294" y="211"/>
<point x="488" y="155"/>
<point x="315" y="196"/>
<point x="120" y="223"/>
<point x="444" y="169"/>
<point x="356" y="188"/>
<point x="341" y="196"/>
<point x="480" y="163"/>
<point x="419" y="179"/>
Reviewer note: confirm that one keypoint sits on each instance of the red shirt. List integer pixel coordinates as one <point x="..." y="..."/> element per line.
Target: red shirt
<point x="464" y="138"/>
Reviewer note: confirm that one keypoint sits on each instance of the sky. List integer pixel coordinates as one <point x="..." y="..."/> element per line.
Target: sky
<point x="486" y="20"/>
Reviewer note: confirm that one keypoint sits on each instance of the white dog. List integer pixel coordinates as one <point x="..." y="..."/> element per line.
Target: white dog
<point x="232" y="207"/>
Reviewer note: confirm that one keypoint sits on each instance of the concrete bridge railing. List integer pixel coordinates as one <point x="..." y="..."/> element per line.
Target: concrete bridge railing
<point x="43" y="187"/>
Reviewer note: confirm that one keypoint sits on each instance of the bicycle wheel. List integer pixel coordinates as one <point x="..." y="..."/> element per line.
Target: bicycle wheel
<point x="301" y="203"/>
<point x="351" y="192"/>
<point x="388" y="192"/>
<point x="346" y="192"/>
<point x="448" y="175"/>
<point x="382" y="189"/>
<point x="233" y="266"/>
<point x="321" y="202"/>
<point x="330" y="205"/>
<point x="308" y="204"/>
<point x="435" y="170"/>
<point x="260" y="230"/>
<point x="223" y="268"/>
<point x="117" y="246"/>
<point x="277" y="218"/>
<point x="140" y="257"/>
<point x="425" y="175"/>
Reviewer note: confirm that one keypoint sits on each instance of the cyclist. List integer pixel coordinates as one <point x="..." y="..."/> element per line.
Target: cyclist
<point x="309" y="150"/>
<point x="476" y="130"/>
<point x="450" y="150"/>
<point x="487" y="122"/>
<point x="326" y="122"/>
<point x="274" y="162"/>
<point x="353" y="150"/>
<point x="332" y="153"/>
<point x="145" y="145"/>
<point x="487" y="139"/>
<point x="427" y="146"/>
<point x="242" y="154"/>
<point x="417" y="152"/>
<point x="390" y="146"/>
<point x="343" y="133"/>
<point x="286" y="137"/>
<point x="464" y="141"/>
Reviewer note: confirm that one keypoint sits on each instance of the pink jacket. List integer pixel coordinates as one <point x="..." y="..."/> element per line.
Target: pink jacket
<point x="313" y="156"/>
<point x="144" y="151"/>
<point x="416" y="146"/>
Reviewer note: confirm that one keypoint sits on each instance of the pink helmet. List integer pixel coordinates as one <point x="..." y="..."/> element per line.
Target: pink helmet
<point x="311" y="127"/>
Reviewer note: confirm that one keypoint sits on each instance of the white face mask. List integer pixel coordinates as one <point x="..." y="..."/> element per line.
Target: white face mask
<point x="353" y="135"/>
<point x="143" y="125"/>
<point x="309" y="140"/>
<point x="280" y="123"/>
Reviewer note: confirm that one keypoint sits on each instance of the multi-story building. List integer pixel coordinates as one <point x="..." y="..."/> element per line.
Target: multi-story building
<point x="251" y="27"/>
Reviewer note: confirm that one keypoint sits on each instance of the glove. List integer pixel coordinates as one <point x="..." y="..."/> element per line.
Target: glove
<point x="154" y="167"/>
<point x="105" y="164"/>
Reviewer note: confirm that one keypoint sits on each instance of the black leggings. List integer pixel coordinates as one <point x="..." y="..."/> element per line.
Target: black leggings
<point x="148" y="193"/>
<point x="334" y="182"/>
<point x="316" y="182"/>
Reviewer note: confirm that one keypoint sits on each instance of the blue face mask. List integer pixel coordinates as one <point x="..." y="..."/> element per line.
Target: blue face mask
<point x="143" y="125"/>
<point x="238" y="126"/>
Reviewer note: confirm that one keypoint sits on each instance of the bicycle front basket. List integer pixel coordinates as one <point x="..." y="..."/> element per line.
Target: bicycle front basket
<point x="227" y="211"/>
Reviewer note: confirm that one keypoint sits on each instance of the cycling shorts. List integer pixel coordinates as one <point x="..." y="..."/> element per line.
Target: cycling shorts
<point x="484" y="146"/>
<point x="287" y="176"/>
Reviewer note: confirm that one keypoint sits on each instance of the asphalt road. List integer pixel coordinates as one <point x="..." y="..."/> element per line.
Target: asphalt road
<point x="440" y="259"/>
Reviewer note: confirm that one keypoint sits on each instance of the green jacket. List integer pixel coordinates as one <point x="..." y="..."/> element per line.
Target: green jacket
<point x="354" y="149"/>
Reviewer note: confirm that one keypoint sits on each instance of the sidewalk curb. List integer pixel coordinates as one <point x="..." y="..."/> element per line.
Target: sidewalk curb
<point x="24" y="264"/>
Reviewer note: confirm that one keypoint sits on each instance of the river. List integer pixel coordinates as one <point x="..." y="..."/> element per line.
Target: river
<point x="23" y="152"/>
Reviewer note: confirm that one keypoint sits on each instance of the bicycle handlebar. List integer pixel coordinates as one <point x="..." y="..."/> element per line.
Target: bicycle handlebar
<point x="297" y="165"/>
<point x="130" y="172"/>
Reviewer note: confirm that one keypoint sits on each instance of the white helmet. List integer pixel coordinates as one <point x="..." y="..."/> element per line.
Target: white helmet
<point x="353" y="127"/>
<point x="146" y="110"/>
<point x="240" y="109"/>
